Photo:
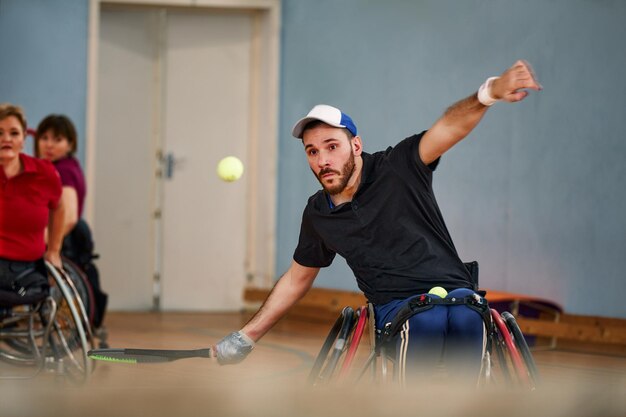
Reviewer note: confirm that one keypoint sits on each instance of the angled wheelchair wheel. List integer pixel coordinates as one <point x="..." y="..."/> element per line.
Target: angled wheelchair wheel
<point x="23" y="331"/>
<point x="499" y="346"/>
<point x="83" y="288"/>
<point x="337" y="340"/>
<point x="375" y="349"/>
<point x="69" y="339"/>
<point x="323" y="353"/>
<point x="359" y="328"/>
<point x="73" y="285"/>
<point x="522" y="345"/>
<point x="517" y="362"/>
<point x="341" y="344"/>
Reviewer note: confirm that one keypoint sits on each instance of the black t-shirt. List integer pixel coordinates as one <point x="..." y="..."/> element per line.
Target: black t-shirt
<point x="391" y="234"/>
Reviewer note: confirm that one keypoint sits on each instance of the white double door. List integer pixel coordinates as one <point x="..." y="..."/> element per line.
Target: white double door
<point x="173" y="99"/>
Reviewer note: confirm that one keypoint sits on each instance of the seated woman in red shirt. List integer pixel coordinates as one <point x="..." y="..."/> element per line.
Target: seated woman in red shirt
<point x="30" y="201"/>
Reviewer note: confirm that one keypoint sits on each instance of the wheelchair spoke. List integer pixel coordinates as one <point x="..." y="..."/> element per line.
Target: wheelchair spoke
<point x="71" y="329"/>
<point x="66" y="347"/>
<point x="54" y="329"/>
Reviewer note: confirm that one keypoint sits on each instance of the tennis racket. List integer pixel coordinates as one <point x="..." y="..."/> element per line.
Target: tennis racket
<point x="148" y="355"/>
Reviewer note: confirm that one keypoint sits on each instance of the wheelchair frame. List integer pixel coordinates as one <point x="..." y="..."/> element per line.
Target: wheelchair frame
<point x="515" y="362"/>
<point x="52" y="333"/>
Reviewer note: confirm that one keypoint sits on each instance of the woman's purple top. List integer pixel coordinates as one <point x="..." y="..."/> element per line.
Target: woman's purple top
<point x="72" y="176"/>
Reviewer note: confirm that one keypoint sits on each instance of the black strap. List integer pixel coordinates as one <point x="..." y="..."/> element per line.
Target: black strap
<point x="426" y="302"/>
<point x="25" y="279"/>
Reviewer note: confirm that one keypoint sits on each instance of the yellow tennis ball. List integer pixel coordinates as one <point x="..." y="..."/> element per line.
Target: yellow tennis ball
<point x="441" y="292"/>
<point x="230" y="169"/>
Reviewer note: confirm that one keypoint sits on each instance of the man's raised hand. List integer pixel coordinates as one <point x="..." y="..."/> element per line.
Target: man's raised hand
<point x="512" y="85"/>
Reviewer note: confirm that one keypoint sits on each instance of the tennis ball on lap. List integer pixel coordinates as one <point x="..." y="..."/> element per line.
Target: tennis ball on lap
<point x="230" y="169"/>
<point x="441" y="292"/>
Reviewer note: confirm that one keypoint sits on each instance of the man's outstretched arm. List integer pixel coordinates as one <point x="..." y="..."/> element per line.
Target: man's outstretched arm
<point x="463" y="116"/>
<point x="290" y="288"/>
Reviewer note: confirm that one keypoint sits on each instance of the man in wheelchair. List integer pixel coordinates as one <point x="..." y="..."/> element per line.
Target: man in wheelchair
<point x="379" y="212"/>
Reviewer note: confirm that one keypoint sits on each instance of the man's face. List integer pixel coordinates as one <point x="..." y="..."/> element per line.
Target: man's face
<point x="331" y="156"/>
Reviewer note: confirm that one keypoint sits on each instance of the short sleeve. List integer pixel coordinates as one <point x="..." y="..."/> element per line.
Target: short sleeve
<point x="55" y="188"/>
<point x="68" y="176"/>
<point x="404" y="157"/>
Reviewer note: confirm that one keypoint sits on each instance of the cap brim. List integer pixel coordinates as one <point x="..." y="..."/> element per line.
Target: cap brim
<point x="298" y="128"/>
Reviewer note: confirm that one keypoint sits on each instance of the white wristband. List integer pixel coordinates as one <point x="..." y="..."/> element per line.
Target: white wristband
<point x="484" y="92"/>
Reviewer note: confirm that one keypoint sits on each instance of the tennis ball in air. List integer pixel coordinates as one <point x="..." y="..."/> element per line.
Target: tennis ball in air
<point x="230" y="169"/>
<point x="441" y="292"/>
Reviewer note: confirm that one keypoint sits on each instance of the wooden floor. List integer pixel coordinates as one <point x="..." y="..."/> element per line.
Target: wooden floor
<point x="271" y="382"/>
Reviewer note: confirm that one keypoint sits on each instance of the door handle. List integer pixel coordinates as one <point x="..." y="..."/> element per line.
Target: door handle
<point x="169" y="162"/>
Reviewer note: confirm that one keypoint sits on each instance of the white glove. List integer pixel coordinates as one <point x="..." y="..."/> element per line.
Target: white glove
<point x="233" y="348"/>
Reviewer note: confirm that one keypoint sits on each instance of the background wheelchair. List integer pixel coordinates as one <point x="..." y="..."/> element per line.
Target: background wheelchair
<point x="507" y="357"/>
<point x="50" y="331"/>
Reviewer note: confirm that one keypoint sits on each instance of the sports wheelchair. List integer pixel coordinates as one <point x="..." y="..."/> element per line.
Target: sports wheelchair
<point x="507" y="356"/>
<point x="50" y="330"/>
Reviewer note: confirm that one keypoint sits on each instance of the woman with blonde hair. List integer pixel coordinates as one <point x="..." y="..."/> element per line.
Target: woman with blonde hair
<point x="30" y="202"/>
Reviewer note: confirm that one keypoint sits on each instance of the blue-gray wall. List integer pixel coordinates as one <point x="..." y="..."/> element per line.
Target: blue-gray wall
<point x="535" y="193"/>
<point x="43" y="64"/>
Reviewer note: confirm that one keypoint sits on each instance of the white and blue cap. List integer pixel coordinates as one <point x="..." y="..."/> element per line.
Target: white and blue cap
<point x="330" y="115"/>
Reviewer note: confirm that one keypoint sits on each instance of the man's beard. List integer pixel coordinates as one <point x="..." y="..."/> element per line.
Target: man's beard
<point x="346" y="173"/>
